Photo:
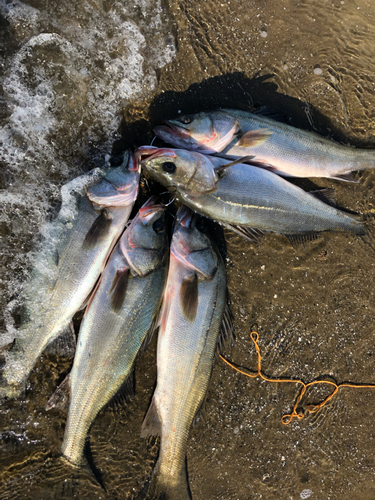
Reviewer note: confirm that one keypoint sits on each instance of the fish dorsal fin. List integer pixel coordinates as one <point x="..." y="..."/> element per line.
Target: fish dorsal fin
<point x="65" y="344"/>
<point x="118" y="288"/>
<point x="345" y="177"/>
<point x="148" y="338"/>
<point x="91" y="297"/>
<point x="254" y="138"/>
<point x="327" y="195"/>
<point x="226" y="330"/>
<point x="189" y="297"/>
<point x="98" y="231"/>
<point x="151" y="424"/>
<point x="270" y="112"/>
<point x="60" y="398"/>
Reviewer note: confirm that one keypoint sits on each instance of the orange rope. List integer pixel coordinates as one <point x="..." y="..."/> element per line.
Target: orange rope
<point x="286" y="419"/>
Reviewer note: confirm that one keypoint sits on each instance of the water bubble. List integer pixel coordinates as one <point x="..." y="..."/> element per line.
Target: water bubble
<point x="318" y="70"/>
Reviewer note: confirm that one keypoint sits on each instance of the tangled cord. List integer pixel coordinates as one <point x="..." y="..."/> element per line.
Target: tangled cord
<point x="286" y="419"/>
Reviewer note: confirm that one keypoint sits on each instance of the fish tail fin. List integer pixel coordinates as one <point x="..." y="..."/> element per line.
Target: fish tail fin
<point x="86" y="465"/>
<point x="161" y="487"/>
<point x="12" y="369"/>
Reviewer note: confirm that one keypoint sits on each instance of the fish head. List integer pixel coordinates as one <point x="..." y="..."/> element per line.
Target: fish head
<point x="206" y="132"/>
<point x="179" y="169"/>
<point x="192" y="246"/>
<point x="144" y="244"/>
<point x="119" y="187"/>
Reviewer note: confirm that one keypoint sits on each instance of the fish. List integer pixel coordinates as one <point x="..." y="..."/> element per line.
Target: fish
<point x="68" y="264"/>
<point x="275" y="146"/>
<point x="192" y="312"/>
<point x="116" y="321"/>
<point x="240" y="195"/>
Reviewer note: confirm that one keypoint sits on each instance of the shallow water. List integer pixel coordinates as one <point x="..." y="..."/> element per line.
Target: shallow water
<point x="314" y="63"/>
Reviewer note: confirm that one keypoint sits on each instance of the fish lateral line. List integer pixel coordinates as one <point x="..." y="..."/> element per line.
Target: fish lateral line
<point x="288" y="418"/>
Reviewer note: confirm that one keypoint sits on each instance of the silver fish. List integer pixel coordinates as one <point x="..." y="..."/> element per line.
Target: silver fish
<point x="278" y="147"/>
<point x="191" y="316"/>
<point x="68" y="266"/>
<point x="116" y="322"/>
<point x="242" y="195"/>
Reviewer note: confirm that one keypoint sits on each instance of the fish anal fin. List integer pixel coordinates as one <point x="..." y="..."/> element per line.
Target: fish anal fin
<point x="151" y="423"/>
<point x="60" y="398"/>
<point x="126" y="391"/>
<point x="189" y="297"/>
<point x="253" y="235"/>
<point x="254" y="138"/>
<point x="226" y="330"/>
<point x="302" y="239"/>
<point x="98" y="231"/>
<point x="118" y="288"/>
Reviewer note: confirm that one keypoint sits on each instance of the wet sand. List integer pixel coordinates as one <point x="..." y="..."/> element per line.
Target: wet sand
<point x="313" y="305"/>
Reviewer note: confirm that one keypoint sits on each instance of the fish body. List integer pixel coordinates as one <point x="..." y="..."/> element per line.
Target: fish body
<point x="279" y="147"/>
<point x="191" y="316"/>
<point x="244" y="195"/>
<point x="68" y="267"/>
<point x="116" y="322"/>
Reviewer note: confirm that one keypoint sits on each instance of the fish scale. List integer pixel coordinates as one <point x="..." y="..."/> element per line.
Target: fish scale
<point x="295" y="152"/>
<point x="110" y="338"/>
<point x="244" y="195"/>
<point x="185" y="354"/>
<point x="281" y="148"/>
<point x="73" y="268"/>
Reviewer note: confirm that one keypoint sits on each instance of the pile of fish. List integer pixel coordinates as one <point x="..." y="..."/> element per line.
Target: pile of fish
<point x="132" y="280"/>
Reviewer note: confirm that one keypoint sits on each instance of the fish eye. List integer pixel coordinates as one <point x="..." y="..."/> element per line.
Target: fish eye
<point x="185" y="119"/>
<point x="158" y="226"/>
<point x="201" y="226"/>
<point x="169" y="167"/>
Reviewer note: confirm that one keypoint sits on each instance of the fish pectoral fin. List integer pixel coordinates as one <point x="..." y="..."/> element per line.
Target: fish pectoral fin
<point x="254" y="138"/>
<point x="220" y="170"/>
<point x="98" y="231"/>
<point x="118" y="288"/>
<point x="151" y="424"/>
<point x="60" y="398"/>
<point x="189" y="297"/>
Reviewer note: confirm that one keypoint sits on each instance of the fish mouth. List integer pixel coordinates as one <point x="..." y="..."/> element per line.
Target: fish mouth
<point x="134" y="164"/>
<point x="184" y="217"/>
<point x="150" y="208"/>
<point x="170" y="128"/>
<point x="147" y="153"/>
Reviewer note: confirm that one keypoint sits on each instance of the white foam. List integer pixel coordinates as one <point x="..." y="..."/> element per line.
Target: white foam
<point x="65" y="87"/>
